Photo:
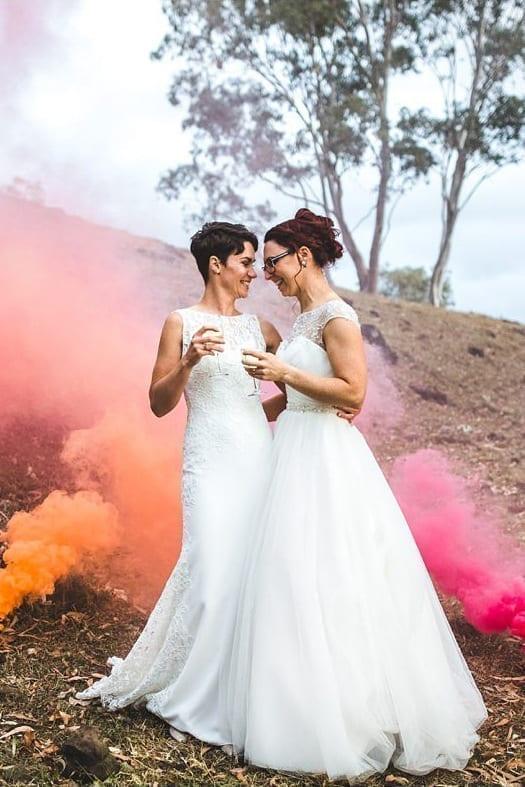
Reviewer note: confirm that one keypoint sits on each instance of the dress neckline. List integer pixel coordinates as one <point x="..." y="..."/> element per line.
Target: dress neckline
<point x="309" y="311"/>
<point x="215" y="314"/>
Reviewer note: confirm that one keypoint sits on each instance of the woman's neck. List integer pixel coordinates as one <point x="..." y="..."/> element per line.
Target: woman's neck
<point x="314" y="292"/>
<point x="218" y="302"/>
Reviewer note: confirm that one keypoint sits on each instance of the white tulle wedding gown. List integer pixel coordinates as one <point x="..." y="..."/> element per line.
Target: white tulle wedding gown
<point x="343" y="660"/>
<point x="175" y="666"/>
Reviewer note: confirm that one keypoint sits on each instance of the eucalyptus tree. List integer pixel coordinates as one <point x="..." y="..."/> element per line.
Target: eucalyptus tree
<point x="476" y="49"/>
<point x="295" y="95"/>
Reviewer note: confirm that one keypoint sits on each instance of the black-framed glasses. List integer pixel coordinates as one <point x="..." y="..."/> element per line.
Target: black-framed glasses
<point x="269" y="262"/>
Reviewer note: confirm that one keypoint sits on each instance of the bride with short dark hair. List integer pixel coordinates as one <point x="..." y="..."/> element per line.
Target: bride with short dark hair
<point x="175" y="665"/>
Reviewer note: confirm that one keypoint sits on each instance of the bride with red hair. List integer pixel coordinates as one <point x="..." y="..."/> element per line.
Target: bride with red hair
<point x="343" y="660"/>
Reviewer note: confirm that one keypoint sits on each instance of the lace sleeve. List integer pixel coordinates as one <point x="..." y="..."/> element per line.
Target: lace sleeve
<point x="338" y="308"/>
<point x="310" y="324"/>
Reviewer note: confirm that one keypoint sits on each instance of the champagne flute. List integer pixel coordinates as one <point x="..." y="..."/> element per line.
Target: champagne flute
<point x="211" y="335"/>
<point x="223" y="331"/>
<point x="250" y="362"/>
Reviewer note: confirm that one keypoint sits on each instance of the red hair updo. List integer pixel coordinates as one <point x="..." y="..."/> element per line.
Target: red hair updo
<point x="307" y="229"/>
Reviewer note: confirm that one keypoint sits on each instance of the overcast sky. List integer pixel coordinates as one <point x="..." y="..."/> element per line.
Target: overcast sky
<point x="84" y="111"/>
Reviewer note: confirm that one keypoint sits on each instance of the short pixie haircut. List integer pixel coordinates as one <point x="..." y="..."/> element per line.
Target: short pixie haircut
<point x="219" y="239"/>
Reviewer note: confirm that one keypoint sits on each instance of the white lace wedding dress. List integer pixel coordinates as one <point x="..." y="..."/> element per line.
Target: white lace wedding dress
<point x="175" y="666"/>
<point x="343" y="659"/>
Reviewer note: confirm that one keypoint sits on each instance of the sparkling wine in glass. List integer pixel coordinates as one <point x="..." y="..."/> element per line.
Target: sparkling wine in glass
<point x="250" y="362"/>
<point x="212" y="334"/>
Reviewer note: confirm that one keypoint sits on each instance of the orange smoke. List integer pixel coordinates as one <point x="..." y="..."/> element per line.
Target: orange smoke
<point x="47" y="543"/>
<point x="127" y="456"/>
<point x="127" y="473"/>
<point x="78" y="337"/>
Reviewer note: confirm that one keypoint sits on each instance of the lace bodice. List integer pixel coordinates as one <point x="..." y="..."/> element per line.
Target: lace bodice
<point x="311" y="324"/>
<point x="220" y="378"/>
<point x="222" y="415"/>
<point x="305" y="349"/>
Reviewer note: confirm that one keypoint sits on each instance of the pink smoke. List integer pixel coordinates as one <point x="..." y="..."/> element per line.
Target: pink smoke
<point x="30" y="27"/>
<point x="466" y="551"/>
<point x="30" y="31"/>
<point x="77" y="344"/>
<point x="33" y="36"/>
<point x="383" y="408"/>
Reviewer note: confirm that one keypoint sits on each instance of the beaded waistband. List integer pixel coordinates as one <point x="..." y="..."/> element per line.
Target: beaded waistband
<point x="310" y="408"/>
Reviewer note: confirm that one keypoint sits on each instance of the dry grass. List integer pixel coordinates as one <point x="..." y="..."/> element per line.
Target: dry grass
<point x="50" y="650"/>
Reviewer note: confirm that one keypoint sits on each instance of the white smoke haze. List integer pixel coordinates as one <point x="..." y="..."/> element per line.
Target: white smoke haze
<point x="84" y="112"/>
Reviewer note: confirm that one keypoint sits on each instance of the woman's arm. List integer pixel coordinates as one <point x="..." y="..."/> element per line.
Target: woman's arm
<point x="344" y="345"/>
<point x="273" y="338"/>
<point x="274" y="406"/>
<point x="172" y="369"/>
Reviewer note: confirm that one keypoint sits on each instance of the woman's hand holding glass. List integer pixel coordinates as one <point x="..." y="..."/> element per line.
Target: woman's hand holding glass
<point x="208" y="340"/>
<point x="249" y="362"/>
<point x="264" y="366"/>
<point x="267" y="366"/>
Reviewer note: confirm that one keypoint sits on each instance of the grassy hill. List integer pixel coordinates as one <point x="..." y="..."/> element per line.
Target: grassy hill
<point x="460" y="377"/>
<point x="471" y="369"/>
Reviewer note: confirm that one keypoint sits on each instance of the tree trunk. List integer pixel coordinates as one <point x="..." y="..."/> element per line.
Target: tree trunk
<point x="382" y="197"/>
<point x="380" y="89"/>
<point x="351" y="247"/>
<point x="349" y="243"/>
<point x="451" y="198"/>
<point x="438" y="273"/>
<point x="452" y="209"/>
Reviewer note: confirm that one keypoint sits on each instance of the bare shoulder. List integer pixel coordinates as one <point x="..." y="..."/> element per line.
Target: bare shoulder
<point x="171" y="335"/>
<point x="172" y="328"/>
<point x="342" y="329"/>
<point x="173" y="320"/>
<point x="272" y="337"/>
<point x="342" y="322"/>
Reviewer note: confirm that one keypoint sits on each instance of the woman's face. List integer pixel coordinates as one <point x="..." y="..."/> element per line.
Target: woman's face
<point x="284" y="274"/>
<point x="239" y="271"/>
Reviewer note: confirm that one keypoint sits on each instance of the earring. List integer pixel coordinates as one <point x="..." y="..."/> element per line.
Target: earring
<point x="303" y="263"/>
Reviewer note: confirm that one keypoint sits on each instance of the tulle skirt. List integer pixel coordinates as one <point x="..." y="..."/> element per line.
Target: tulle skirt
<point x="343" y="660"/>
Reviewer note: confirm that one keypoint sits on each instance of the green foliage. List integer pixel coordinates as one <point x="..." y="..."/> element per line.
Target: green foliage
<point x="411" y="284"/>
<point x="287" y="93"/>
<point x="297" y="95"/>
<point x="477" y="51"/>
